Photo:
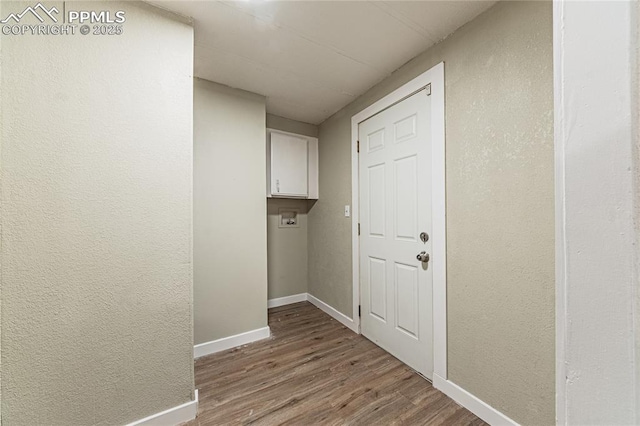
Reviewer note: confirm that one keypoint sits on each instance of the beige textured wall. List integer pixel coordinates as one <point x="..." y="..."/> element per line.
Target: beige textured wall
<point x="635" y="56"/>
<point x="329" y="231"/>
<point x="286" y="250"/>
<point x="500" y="206"/>
<point x="293" y="126"/>
<point x="96" y="221"/>
<point x="230" y="211"/>
<point x="1" y="142"/>
<point x="288" y="247"/>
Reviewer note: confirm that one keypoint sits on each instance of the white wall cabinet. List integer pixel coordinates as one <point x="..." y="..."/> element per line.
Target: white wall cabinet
<point x="292" y="165"/>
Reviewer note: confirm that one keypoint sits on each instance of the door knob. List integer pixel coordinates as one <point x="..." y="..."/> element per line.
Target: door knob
<point x="423" y="256"/>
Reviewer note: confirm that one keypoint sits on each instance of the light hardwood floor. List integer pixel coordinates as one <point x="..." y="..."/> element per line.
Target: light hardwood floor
<point x="315" y="371"/>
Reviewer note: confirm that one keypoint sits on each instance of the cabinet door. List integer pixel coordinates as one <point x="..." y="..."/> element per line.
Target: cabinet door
<point x="289" y="162"/>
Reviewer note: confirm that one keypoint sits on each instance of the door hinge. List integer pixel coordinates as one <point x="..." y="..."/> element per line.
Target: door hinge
<point x="428" y="88"/>
<point x="358" y="147"/>
<point x="359" y="311"/>
<point x="358" y="229"/>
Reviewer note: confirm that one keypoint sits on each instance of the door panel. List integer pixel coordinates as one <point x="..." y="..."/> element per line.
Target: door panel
<point x="395" y="206"/>
<point x="375" y="140"/>
<point x="406" y="205"/>
<point x="406" y="296"/>
<point x="377" y="200"/>
<point x="377" y="272"/>
<point x="405" y="129"/>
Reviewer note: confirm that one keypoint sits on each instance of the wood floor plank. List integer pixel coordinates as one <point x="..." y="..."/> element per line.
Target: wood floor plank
<point x="315" y="371"/>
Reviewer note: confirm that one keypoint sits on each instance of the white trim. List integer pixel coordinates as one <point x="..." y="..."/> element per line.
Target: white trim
<point x="439" y="220"/>
<point x="225" y="343"/>
<point x="595" y="148"/>
<point x="472" y="403"/>
<point x="435" y="77"/>
<point x="355" y="223"/>
<point x="338" y="316"/>
<point x="287" y="300"/>
<point x="560" y="219"/>
<point x="173" y="416"/>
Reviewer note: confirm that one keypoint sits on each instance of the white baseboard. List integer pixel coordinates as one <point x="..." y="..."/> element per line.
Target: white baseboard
<point x="287" y="300"/>
<point x="225" y="343"/>
<point x="173" y="416"/>
<point x="338" y="316"/>
<point x="472" y="403"/>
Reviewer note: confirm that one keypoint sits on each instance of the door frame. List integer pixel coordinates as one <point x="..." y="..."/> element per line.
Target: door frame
<point x="434" y="77"/>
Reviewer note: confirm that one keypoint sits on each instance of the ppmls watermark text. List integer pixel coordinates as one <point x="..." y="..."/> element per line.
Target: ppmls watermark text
<point x="43" y="21"/>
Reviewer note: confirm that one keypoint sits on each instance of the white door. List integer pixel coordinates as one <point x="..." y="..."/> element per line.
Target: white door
<point x="395" y="208"/>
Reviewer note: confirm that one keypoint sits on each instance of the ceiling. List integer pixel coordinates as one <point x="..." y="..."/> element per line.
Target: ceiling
<point x="311" y="58"/>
